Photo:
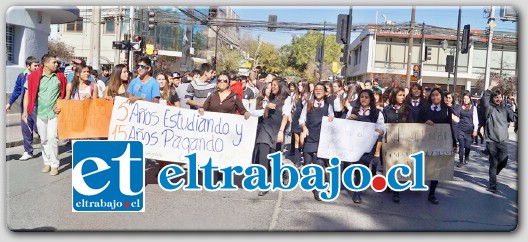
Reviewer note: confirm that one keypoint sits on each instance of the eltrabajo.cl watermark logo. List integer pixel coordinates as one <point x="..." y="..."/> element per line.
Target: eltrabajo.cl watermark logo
<point x="108" y="176"/>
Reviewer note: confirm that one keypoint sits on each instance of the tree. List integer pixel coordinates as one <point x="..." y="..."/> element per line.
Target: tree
<point x="60" y="49"/>
<point x="228" y="59"/>
<point x="270" y="58"/>
<point x="508" y="84"/>
<point x="302" y="50"/>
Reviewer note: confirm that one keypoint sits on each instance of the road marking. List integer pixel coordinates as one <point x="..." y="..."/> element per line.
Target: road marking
<point x="275" y="215"/>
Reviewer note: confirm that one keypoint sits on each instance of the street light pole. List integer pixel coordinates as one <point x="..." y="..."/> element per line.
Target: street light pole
<point x="216" y="46"/>
<point x="409" y="50"/>
<point x="490" y="43"/>
<point x="130" y="36"/>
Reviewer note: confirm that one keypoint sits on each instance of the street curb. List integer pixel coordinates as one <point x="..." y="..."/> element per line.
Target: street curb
<point x="36" y="140"/>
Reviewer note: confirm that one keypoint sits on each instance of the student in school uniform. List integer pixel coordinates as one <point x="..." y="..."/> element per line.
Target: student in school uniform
<point x="435" y="111"/>
<point x="467" y="128"/>
<point x="299" y="101"/>
<point x="311" y="119"/>
<point x="377" y="161"/>
<point x="256" y="109"/>
<point x="365" y="111"/>
<point x="339" y="99"/>
<point x="481" y="121"/>
<point x="271" y="131"/>
<point x="455" y="116"/>
<point x="396" y="112"/>
<point x="415" y="101"/>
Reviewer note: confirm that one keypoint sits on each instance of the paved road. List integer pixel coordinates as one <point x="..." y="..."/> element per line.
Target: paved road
<point x="37" y="201"/>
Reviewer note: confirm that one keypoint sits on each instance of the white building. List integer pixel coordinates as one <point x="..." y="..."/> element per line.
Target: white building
<point x="27" y="31"/>
<point x="383" y="52"/>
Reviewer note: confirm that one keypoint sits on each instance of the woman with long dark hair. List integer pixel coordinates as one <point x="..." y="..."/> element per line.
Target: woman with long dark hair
<point x="365" y="111"/>
<point x="117" y="83"/>
<point x="163" y="81"/>
<point x="299" y="101"/>
<point x="81" y="88"/>
<point x="271" y="131"/>
<point x="310" y="121"/>
<point x="415" y="101"/>
<point x="395" y="112"/>
<point x="436" y="111"/>
<point x="467" y="128"/>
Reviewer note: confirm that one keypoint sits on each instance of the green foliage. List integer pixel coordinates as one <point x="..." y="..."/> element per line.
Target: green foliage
<point x="296" y="58"/>
<point x="300" y="54"/>
<point x="228" y="59"/>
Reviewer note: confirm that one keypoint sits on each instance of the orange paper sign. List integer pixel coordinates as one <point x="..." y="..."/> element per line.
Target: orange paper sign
<point x="84" y="119"/>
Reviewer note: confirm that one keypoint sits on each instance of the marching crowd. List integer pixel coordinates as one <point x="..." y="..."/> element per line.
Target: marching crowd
<point x="285" y="109"/>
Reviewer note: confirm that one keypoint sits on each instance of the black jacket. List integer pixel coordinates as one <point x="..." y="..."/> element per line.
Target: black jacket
<point x="498" y="119"/>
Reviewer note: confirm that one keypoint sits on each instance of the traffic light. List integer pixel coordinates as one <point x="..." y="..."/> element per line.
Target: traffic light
<point x="450" y="63"/>
<point x="428" y="53"/>
<point x="137" y="44"/>
<point x="342" y="27"/>
<point x="121" y="45"/>
<point x="272" y="21"/>
<point x="151" y="20"/>
<point x="344" y="55"/>
<point x="465" y="39"/>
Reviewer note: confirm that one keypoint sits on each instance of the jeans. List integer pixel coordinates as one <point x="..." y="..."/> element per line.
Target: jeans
<point x="498" y="158"/>
<point x="27" y="132"/>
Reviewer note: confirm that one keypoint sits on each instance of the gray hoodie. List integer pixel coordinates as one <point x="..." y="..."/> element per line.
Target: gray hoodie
<point x="498" y="119"/>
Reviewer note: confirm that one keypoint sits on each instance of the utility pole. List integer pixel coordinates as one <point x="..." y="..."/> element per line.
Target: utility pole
<point x="255" y="61"/>
<point x="457" y="50"/>
<point x="409" y="49"/>
<point x="491" y="24"/>
<point x="216" y="46"/>
<point x="322" y="53"/>
<point x="117" y="36"/>
<point x="130" y="38"/>
<point x="422" y="54"/>
<point x="187" y="65"/>
<point x="95" y="43"/>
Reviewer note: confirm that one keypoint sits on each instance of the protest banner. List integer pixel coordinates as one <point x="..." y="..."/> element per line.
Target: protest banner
<point x="170" y="133"/>
<point x="346" y="139"/>
<point x="84" y="119"/>
<point x="402" y="140"/>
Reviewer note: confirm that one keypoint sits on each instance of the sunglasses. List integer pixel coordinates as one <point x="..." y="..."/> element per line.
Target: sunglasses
<point x="142" y="66"/>
<point x="223" y="80"/>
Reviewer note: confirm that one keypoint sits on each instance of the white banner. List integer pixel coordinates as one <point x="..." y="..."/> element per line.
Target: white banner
<point x="346" y="139"/>
<point x="170" y="133"/>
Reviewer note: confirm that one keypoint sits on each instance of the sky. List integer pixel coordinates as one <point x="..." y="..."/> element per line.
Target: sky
<point x="442" y="16"/>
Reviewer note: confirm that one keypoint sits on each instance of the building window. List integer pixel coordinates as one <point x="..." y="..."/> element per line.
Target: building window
<point x="76" y="26"/>
<point x="109" y="26"/>
<point x="357" y="56"/>
<point x="10" y="43"/>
